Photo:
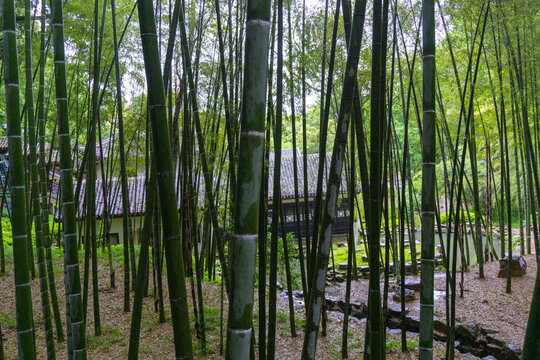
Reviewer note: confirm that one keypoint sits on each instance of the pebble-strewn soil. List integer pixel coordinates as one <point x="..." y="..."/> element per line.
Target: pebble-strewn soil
<point x="484" y="301"/>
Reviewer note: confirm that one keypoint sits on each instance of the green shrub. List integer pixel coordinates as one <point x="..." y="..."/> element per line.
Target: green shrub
<point x="463" y="215"/>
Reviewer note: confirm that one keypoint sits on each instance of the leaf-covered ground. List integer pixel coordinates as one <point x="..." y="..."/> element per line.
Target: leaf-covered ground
<point x="484" y="301"/>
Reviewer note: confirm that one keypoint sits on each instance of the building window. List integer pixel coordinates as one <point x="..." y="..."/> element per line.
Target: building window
<point x="115" y="239"/>
<point x="290" y="215"/>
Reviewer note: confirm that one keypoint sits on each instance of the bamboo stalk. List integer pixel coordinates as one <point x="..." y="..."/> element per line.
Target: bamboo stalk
<point x="165" y="175"/>
<point x="320" y="267"/>
<point x="23" y="295"/>
<point x="74" y="315"/>
<point x="428" y="181"/>
<point x="244" y="239"/>
<point x="35" y="189"/>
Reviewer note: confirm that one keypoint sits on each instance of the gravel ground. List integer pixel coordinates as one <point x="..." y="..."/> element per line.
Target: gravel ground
<point x="484" y="301"/>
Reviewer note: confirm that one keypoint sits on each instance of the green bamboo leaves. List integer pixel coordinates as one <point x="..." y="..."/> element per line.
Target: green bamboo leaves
<point x="74" y="314"/>
<point x="244" y="240"/>
<point x="428" y="181"/>
<point x="165" y="175"/>
<point x="23" y="295"/>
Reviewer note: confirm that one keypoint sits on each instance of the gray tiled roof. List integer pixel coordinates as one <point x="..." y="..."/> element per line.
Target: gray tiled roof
<point x="4" y="149"/>
<point x="287" y="174"/>
<point x="137" y="188"/>
<point x="3" y="144"/>
<point x="110" y="147"/>
<point x="137" y="196"/>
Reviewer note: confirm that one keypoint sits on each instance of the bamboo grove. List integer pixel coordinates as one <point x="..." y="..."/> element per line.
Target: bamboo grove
<point x="218" y="145"/>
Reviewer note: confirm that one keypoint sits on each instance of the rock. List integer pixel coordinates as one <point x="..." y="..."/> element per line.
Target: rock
<point x="489" y="357"/>
<point x="393" y="323"/>
<point x="412" y="284"/>
<point x="470" y="356"/>
<point x="343" y="266"/>
<point x="469" y="331"/>
<point x="495" y="340"/>
<point x="364" y="258"/>
<point x="487" y="331"/>
<point x="278" y="285"/>
<point x="341" y="245"/>
<point x="358" y="310"/>
<point x="413" y="321"/>
<point x="363" y="269"/>
<point x="439" y="336"/>
<point x="332" y="305"/>
<point x="332" y="291"/>
<point x="493" y="349"/>
<point x="439" y="326"/>
<point x="395" y="310"/>
<point x="409" y="295"/>
<point x="339" y="278"/>
<point x="298" y="293"/>
<point x="519" y="267"/>
<point x="514" y="348"/>
<point x="513" y="351"/>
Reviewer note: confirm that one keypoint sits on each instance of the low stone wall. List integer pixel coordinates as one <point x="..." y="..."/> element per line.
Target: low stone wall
<point x="469" y="338"/>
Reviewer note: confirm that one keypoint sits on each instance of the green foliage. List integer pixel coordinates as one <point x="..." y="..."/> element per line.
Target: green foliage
<point x="463" y="215"/>
<point x="395" y="344"/>
<point x="294" y="262"/>
<point x="109" y="336"/>
<point x="312" y="131"/>
<point x="6" y="231"/>
<point x="7" y="235"/>
<point x="341" y="254"/>
<point x="7" y="319"/>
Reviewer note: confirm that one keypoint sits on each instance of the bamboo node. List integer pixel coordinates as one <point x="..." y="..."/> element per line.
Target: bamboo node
<point x="255" y="22"/>
<point x="240" y="331"/>
<point x="179" y="299"/>
<point x="25" y="331"/>
<point x="245" y="236"/>
<point x="252" y="133"/>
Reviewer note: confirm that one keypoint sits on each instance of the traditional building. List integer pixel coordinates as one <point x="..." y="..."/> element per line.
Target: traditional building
<point x="137" y="195"/>
<point x="341" y="224"/>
